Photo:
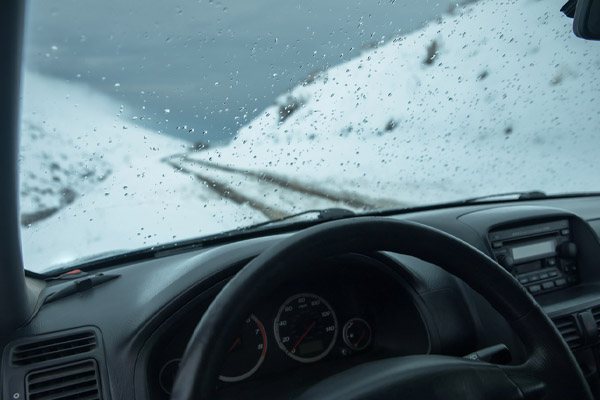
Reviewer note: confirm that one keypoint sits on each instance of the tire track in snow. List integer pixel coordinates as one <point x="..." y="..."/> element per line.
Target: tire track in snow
<point x="352" y="202"/>
<point x="228" y="192"/>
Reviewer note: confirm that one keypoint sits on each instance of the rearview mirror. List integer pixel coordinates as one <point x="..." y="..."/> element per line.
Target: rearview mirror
<point x="586" y="23"/>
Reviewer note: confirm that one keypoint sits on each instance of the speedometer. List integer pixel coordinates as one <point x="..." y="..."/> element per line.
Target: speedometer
<point x="306" y="327"/>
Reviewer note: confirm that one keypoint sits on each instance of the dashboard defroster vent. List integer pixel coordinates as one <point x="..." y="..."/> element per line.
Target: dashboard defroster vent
<point x="54" y="348"/>
<point x="596" y="315"/>
<point x="567" y="326"/>
<point x="75" y="381"/>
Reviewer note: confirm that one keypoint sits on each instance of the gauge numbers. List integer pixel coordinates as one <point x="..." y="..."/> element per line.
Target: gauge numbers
<point x="306" y="327"/>
<point x="246" y="353"/>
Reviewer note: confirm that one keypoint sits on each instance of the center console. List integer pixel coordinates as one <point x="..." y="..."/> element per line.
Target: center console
<point x="541" y="256"/>
<point x="555" y="255"/>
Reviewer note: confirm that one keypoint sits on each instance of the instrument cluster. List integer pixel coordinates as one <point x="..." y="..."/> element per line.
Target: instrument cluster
<point x="342" y="313"/>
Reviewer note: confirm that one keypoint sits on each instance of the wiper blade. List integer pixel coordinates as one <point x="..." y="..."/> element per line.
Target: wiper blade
<point x="69" y="265"/>
<point x="327" y="214"/>
<point x="90" y="263"/>
<point x="531" y="195"/>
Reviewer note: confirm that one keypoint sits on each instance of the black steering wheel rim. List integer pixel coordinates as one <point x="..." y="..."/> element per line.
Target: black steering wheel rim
<point x="549" y="360"/>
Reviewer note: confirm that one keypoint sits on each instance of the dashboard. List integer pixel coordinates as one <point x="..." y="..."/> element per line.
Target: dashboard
<point x="338" y="313"/>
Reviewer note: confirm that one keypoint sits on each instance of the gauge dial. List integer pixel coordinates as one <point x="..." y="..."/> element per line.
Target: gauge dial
<point x="306" y="327"/>
<point x="246" y="353"/>
<point x="357" y="334"/>
<point x="167" y="374"/>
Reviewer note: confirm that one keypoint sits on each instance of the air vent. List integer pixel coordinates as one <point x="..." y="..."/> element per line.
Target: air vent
<point x="567" y="326"/>
<point x="52" y="349"/>
<point x="596" y="315"/>
<point x="76" y="381"/>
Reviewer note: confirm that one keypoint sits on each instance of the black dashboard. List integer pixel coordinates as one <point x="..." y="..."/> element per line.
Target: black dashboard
<point x="339" y="313"/>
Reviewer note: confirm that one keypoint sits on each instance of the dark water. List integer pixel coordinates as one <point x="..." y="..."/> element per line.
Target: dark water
<point x="201" y="69"/>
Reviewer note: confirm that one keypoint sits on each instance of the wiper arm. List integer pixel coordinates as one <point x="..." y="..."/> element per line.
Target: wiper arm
<point x="531" y="195"/>
<point x="324" y="214"/>
<point x="80" y="285"/>
<point x="337" y="213"/>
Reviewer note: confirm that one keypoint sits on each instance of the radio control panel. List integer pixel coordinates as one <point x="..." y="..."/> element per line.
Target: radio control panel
<point x="542" y="257"/>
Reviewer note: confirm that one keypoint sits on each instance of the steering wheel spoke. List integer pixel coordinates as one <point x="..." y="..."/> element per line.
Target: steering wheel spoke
<point x="419" y="377"/>
<point x="531" y="386"/>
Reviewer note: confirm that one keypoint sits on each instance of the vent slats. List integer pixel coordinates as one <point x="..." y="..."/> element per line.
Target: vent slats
<point x="567" y="326"/>
<point x="54" y="348"/>
<point x="596" y="315"/>
<point x="52" y="376"/>
<point x="77" y="381"/>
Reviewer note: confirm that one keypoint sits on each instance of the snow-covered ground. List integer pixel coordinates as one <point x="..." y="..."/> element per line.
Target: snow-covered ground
<point x="492" y="111"/>
<point x="460" y="108"/>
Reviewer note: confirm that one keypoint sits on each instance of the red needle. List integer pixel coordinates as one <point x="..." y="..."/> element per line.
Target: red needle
<point x="360" y="339"/>
<point x="235" y="344"/>
<point x="303" y="336"/>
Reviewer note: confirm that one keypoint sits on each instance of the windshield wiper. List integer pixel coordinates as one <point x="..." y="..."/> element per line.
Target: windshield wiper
<point x="531" y="195"/>
<point x="97" y="261"/>
<point x="326" y="214"/>
<point x="66" y="266"/>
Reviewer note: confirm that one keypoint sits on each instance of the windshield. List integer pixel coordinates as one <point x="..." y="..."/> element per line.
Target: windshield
<point x="152" y="122"/>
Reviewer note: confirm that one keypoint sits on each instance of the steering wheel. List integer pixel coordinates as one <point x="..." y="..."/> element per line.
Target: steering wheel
<point x="550" y="370"/>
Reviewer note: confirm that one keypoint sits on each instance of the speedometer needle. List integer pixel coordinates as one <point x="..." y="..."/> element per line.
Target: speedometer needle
<point x="303" y="336"/>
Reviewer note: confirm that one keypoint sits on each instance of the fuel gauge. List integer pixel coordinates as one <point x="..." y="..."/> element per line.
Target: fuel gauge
<point x="357" y="334"/>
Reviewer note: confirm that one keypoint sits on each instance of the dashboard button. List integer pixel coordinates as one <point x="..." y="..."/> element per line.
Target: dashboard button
<point x="553" y="274"/>
<point x="560" y="282"/>
<point x="548" y="285"/>
<point x="551" y="262"/>
<point x="534" y="288"/>
<point x="544" y="276"/>
<point x="565" y="232"/>
<point x="534" y="278"/>
<point x="497" y="245"/>
<point x="523" y="280"/>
